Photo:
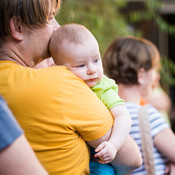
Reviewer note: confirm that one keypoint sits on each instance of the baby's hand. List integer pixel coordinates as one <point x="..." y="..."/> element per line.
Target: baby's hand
<point x="106" y="152"/>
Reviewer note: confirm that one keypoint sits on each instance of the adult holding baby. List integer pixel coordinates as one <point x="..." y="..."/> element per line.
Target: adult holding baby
<point x="57" y="111"/>
<point x="132" y="62"/>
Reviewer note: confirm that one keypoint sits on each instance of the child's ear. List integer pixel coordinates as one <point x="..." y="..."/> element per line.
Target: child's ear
<point x="16" y="28"/>
<point x="141" y="76"/>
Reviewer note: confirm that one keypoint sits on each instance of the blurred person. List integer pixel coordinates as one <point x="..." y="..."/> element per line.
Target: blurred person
<point x="132" y="62"/>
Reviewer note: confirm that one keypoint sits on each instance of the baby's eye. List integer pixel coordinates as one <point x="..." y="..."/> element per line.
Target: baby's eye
<point x="96" y="60"/>
<point x="81" y="65"/>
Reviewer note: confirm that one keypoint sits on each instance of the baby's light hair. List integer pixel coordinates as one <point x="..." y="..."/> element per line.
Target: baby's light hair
<point x="70" y="33"/>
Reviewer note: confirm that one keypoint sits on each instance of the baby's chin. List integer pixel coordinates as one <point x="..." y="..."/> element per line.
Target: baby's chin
<point x="91" y="83"/>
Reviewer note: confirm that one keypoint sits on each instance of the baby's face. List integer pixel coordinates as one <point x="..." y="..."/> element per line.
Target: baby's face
<point x="83" y="60"/>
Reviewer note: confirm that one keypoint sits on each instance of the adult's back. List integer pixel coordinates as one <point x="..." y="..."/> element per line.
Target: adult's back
<point x="157" y="124"/>
<point x="51" y="114"/>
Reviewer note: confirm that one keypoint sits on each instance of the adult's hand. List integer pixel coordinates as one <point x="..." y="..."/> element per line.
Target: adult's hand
<point x="170" y="169"/>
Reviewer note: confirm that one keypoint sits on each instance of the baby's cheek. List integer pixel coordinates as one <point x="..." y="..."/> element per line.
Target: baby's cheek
<point x="79" y="74"/>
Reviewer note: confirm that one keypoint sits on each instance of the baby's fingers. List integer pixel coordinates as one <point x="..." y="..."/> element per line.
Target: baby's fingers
<point x="104" y="159"/>
<point x="101" y="153"/>
<point x="100" y="147"/>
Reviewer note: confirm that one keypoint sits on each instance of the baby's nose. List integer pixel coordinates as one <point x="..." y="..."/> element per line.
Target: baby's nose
<point x="91" y="70"/>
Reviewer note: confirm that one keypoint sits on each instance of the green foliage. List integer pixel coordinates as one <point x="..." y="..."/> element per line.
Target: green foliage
<point x="166" y="72"/>
<point x="164" y="26"/>
<point x="101" y="17"/>
<point x="140" y="16"/>
<point x="151" y="13"/>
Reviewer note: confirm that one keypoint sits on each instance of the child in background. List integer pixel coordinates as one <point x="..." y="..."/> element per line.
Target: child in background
<point x="74" y="46"/>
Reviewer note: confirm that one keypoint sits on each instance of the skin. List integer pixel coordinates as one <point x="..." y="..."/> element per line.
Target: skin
<point x="20" y="154"/>
<point x="84" y="60"/>
<point x="164" y="140"/>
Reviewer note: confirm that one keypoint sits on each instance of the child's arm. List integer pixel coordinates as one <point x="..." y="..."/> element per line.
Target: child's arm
<point x="122" y="122"/>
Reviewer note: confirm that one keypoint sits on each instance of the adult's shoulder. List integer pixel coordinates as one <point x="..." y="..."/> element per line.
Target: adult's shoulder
<point x="61" y="75"/>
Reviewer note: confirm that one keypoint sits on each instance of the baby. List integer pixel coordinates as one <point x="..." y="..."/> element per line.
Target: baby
<point x="74" y="46"/>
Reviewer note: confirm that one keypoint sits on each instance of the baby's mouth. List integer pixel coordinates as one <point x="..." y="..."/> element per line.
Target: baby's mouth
<point x="92" y="79"/>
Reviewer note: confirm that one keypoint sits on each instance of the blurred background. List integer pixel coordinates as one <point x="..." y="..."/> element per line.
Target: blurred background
<point x="151" y="19"/>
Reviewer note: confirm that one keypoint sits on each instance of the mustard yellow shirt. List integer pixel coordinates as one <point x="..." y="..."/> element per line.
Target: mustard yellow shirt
<point x="58" y="112"/>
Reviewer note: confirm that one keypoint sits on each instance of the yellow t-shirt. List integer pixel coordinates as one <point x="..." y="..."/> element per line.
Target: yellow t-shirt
<point x="57" y="111"/>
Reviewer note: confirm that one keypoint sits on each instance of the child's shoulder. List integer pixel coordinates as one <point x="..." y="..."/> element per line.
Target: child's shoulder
<point x="107" y="81"/>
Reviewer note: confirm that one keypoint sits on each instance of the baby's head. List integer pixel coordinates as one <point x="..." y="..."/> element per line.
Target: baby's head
<point x="74" y="46"/>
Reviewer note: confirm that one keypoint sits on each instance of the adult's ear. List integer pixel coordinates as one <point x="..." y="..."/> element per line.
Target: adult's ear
<point x="16" y="28"/>
<point x="141" y="76"/>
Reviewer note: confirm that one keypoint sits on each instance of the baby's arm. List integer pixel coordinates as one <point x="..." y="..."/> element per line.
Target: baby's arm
<point x="122" y="123"/>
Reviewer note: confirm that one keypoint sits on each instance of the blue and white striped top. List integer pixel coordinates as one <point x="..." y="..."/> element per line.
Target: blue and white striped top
<point x="157" y="124"/>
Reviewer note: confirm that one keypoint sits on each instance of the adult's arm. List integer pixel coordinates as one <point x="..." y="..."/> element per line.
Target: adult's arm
<point x="128" y="157"/>
<point x="19" y="158"/>
<point x="165" y="143"/>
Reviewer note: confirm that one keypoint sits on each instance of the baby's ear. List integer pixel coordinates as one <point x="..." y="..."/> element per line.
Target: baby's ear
<point x="16" y="28"/>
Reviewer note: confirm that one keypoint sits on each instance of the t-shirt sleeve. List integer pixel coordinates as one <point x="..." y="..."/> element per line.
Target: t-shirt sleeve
<point x="157" y="121"/>
<point x="107" y="91"/>
<point x="9" y="128"/>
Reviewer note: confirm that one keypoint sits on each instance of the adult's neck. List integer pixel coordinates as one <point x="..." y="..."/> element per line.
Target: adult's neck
<point x="130" y="93"/>
<point x="12" y="52"/>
